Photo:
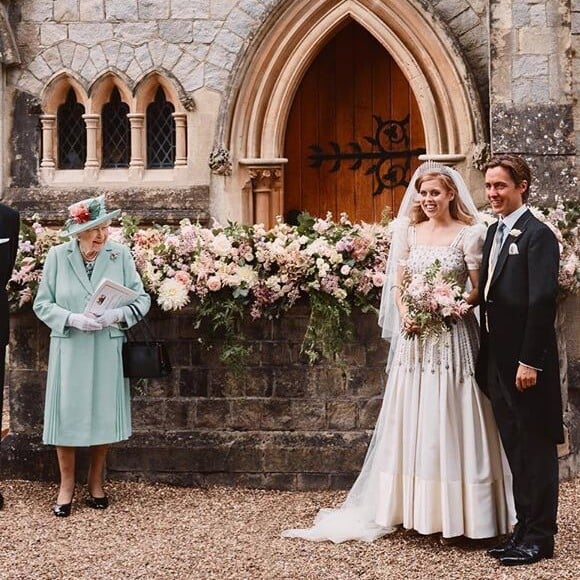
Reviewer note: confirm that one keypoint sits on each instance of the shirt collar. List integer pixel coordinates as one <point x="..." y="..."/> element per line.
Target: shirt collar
<point x="512" y="218"/>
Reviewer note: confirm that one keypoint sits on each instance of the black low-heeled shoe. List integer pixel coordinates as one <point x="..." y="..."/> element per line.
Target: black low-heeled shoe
<point x="97" y="503"/>
<point x="62" y="510"/>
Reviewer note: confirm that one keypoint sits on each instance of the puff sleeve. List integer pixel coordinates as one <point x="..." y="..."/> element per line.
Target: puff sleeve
<point x="473" y="245"/>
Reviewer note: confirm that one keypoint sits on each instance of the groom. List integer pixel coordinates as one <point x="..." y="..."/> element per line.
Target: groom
<point x="518" y="362"/>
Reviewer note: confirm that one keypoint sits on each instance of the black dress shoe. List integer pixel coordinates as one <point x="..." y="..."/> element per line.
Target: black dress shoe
<point x="98" y="503"/>
<point x="505" y="546"/>
<point x="527" y="553"/>
<point x="510" y="542"/>
<point x="62" y="510"/>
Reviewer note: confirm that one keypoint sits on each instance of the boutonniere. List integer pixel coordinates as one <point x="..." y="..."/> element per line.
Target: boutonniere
<point x="513" y="249"/>
<point x="113" y="256"/>
<point x="514" y="233"/>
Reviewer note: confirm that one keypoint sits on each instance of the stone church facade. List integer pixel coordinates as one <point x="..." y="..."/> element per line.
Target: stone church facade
<point x="248" y="109"/>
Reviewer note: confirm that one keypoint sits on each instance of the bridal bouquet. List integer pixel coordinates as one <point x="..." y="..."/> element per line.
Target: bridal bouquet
<point x="434" y="302"/>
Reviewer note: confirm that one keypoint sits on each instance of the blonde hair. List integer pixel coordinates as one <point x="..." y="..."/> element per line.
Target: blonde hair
<point x="457" y="209"/>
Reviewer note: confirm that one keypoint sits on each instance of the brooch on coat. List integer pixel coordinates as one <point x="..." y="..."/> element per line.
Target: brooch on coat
<point x="113" y="256"/>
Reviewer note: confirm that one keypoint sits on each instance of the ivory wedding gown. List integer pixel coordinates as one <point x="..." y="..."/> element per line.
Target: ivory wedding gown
<point x="435" y="462"/>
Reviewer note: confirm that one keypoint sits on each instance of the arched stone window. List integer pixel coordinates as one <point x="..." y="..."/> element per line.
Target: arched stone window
<point x="113" y="131"/>
<point x="72" y="134"/>
<point x="160" y="133"/>
<point x="116" y="141"/>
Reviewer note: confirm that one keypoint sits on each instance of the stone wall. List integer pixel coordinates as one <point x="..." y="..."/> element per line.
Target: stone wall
<point x="204" y="47"/>
<point x="283" y="425"/>
<point x="532" y="99"/>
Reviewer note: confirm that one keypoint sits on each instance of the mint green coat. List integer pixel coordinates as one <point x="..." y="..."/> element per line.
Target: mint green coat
<point x="87" y="398"/>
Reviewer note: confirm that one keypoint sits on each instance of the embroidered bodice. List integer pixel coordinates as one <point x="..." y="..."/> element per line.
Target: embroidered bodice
<point x="463" y="254"/>
<point x="451" y="258"/>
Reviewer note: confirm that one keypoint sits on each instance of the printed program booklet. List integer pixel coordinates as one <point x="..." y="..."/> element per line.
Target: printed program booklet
<point x="109" y="295"/>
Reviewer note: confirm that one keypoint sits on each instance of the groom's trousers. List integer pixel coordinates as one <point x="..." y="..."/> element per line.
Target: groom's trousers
<point x="533" y="460"/>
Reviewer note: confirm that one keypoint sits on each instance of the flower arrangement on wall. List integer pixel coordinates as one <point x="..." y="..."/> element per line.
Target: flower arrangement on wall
<point x="231" y="272"/>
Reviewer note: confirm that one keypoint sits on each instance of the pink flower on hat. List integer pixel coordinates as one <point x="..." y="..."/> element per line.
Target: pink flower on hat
<point x="80" y="213"/>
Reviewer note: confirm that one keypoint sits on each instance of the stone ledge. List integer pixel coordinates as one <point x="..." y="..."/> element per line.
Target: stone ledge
<point x="268" y="460"/>
<point x="167" y="205"/>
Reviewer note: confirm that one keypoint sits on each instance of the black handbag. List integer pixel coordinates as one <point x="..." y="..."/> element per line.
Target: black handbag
<point x="144" y="359"/>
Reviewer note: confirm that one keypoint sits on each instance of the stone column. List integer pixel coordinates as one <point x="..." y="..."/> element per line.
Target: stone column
<point x="180" y="139"/>
<point x="48" y="162"/>
<point x="137" y="163"/>
<point x="267" y="186"/>
<point x="92" y="162"/>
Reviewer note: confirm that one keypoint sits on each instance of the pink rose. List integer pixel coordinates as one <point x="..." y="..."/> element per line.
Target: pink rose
<point x="214" y="283"/>
<point x="183" y="277"/>
<point x="378" y="279"/>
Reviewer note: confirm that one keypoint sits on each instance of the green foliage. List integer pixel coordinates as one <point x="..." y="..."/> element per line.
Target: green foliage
<point x="129" y="225"/>
<point x="222" y="321"/>
<point x="329" y="328"/>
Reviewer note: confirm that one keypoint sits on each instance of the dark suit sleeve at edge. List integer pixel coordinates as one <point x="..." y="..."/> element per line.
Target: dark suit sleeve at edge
<point x="543" y="261"/>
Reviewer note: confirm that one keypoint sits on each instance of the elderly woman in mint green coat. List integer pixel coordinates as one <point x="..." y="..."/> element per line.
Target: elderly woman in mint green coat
<point x="87" y="397"/>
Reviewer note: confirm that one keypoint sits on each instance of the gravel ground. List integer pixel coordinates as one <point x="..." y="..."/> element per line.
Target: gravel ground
<point x="162" y="532"/>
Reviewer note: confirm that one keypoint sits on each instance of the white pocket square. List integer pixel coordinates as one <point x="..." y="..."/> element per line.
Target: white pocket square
<point x="4" y="240"/>
<point x="513" y="249"/>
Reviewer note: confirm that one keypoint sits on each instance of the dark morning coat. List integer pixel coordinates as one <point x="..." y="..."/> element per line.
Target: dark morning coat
<point x="9" y="227"/>
<point x="520" y="310"/>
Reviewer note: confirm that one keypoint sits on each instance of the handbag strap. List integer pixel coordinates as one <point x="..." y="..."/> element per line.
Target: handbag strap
<point x="140" y="318"/>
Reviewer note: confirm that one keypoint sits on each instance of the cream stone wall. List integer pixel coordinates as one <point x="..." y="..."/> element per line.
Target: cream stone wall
<point x="217" y="55"/>
<point x="236" y="64"/>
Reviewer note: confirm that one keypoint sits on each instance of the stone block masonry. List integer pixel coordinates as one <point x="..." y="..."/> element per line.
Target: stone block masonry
<point x="533" y="109"/>
<point x="283" y="424"/>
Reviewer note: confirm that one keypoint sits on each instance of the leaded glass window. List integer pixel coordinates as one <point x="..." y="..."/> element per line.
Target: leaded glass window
<point x="116" y="132"/>
<point x="160" y="133"/>
<point x="72" y="134"/>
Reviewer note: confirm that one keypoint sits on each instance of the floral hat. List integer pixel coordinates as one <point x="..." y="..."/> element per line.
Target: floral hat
<point x="87" y="214"/>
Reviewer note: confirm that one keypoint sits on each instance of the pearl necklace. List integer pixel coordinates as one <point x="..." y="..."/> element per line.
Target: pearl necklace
<point x="86" y="258"/>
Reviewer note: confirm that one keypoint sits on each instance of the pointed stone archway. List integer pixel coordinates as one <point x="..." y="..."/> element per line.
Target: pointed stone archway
<point x="271" y="72"/>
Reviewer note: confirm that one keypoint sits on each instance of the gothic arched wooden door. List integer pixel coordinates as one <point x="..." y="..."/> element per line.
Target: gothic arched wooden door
<point x="354" y="132"/>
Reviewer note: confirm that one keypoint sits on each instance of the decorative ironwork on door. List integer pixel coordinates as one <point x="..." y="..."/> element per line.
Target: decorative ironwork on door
<point x="388" y="133"/>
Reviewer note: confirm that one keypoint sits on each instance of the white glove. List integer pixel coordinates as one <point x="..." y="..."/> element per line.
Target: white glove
<point x="83" y="322"/>
<point x="111" y="317"/>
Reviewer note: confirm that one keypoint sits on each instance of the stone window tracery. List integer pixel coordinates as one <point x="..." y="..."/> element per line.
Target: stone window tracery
<point x="116" y="148"/>
<point x="160" y="133"/>
<point x="72" y="135"/>
<point x="112" y="133"/>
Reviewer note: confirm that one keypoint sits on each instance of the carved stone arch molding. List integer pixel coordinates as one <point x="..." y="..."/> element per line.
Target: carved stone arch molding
<point x="146" y="86"/>
<point x="270" y="75"/>
<point x="101" y="87"/>
<point x="56" y="90"/>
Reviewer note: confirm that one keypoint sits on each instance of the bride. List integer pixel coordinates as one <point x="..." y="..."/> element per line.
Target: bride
<point x="434" y="463"/>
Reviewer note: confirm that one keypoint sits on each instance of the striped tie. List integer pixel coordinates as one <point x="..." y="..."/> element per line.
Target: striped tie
<point x="497" y="242"/>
